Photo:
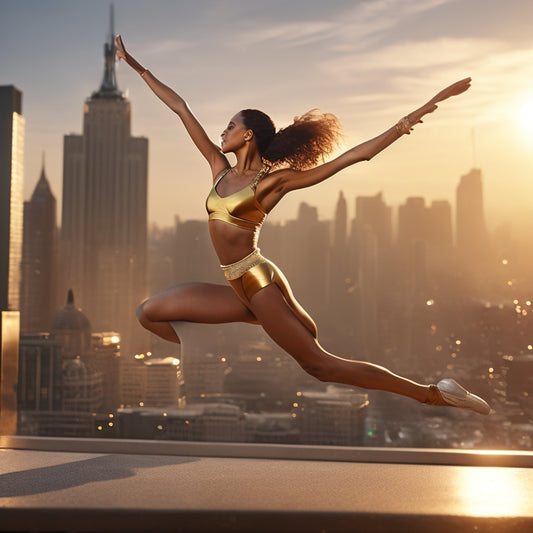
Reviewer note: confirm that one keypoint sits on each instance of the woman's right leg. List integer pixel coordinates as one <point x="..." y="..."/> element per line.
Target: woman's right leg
<point x="206" y="303"/>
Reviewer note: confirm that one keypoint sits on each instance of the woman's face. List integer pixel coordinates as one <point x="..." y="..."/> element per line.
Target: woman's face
<point x="235" y="135"/>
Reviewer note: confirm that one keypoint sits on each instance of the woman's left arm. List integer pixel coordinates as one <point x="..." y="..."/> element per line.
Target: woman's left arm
<point x="292" y="180"/>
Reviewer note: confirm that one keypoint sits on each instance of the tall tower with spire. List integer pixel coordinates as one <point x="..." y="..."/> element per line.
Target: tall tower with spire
<point x="39" y="258"/>
<point x="104" y="214"/>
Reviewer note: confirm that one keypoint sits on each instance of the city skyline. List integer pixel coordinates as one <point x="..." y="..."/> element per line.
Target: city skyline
<point x="392" y="65"/>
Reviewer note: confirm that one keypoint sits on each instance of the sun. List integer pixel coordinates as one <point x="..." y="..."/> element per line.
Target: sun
<point x="526" y="115"/>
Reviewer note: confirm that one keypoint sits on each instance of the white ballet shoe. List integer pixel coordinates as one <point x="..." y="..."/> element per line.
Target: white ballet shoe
<point x="453" y="394"/>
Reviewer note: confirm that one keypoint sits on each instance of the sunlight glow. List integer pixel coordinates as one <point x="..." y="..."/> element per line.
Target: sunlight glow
<point x="491" y="491"/>
<point x="526" y="115"/>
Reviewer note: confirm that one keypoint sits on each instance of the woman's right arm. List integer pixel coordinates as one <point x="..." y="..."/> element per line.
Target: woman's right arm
<point x="174" y="101"/>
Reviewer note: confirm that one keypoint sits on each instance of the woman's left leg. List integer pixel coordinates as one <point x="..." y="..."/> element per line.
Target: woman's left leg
<point x="281" y="322"/>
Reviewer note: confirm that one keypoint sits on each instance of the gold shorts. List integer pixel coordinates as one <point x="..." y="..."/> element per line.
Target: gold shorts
<point x="253" y="273"/>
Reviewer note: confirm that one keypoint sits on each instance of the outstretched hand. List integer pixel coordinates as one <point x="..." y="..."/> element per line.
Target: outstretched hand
<point x="452" y="90"/>
<point x="123" y="54"/>
<point x="121" y="49"/>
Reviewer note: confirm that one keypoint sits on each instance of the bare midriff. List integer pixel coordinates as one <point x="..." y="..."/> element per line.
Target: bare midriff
<point x="230" y="242"/>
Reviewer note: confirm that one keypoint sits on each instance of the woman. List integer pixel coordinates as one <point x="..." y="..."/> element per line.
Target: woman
<point x="269" y="165"/>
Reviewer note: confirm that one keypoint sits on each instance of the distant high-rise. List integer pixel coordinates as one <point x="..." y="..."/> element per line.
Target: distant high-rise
<point x="307" y="241"/>
<point x="341" y="278"/>
<point x="371" y="245"/>
<point x="340" y="228"/>
<point x="40" y="374"/>
<point x="412" y="222"/>
<point x="472" y="238"/>
<point x="440" y="224"/>
<point x="11" y="203"/>
<point x="372" y="211"/>
<point x="104" y="226"/>
<point x="194" y="258"/>
<point x="39" y="259"/>
<point x="417" y="222"/>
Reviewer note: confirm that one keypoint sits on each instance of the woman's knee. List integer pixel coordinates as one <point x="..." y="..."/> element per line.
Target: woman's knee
<point x="141" y="314"/>
<point x="320" y="367"/>
<point x="146" y="312"/>
<point x="161" y="307"/>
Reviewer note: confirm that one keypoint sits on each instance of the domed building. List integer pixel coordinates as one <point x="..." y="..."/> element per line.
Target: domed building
<point x="83" y="387"/>
<point x="82" y="380"/>
<point x="71" y="327"/>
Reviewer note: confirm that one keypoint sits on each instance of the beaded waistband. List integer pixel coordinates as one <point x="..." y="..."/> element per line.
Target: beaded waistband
<point x="236" y="270"/>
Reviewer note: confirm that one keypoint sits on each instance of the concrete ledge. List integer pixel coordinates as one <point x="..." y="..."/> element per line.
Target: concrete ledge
<point x="135" y="486"/>
<point x="499" y="458"/>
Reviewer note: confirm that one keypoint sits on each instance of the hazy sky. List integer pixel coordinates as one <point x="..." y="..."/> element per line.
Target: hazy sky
<point x="369" y="62"/>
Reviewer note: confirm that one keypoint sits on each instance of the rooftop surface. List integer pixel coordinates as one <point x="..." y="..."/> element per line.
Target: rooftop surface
<point x="98" y="485"/>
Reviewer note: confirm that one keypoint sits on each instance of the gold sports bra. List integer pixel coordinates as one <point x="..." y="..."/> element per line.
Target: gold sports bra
<point x="240" y="208"/>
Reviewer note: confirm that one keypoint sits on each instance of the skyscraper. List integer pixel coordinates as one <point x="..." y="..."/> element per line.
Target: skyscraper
<point x="11" y="203"/>
<point x="341" y="278"/>
<point x="440" y="224"/>
<point x="307" y="241"/>
<point x="103" y="230"/>
<point x="372" y="211"/>
<point x="11" y="182"/>
<point x="472" y="238"/>
<point x="39" y="259"/>
<point x="412" y="222"/>
<point x="371" y="245"/>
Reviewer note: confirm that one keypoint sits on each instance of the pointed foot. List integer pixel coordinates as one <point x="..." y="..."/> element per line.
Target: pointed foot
<point x="448" y="392"/>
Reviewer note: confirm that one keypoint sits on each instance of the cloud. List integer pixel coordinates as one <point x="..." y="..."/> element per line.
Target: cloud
<point x="165" y="46"/>
<point x="409" y="72"/>
<point x="292" y="34"/>
<point x="348" y="27"/>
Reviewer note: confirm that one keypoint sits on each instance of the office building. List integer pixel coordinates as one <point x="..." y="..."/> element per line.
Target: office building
<point x="40" y="385"/>
<point x="372" y="211"/>
<point x="163" y="382"/>
<point x="305" y="246"/>
<point x="412" y="222"/>
<point x="472" y="237"/>
<point x="103" y="230"/>
<point x="338" y="270"/>
<point x="105" y="356"/>
<point x="11" y="218"/>
<point x="335" y="416"/>
<point x="39" y="259"/>
<point x="11" y="190"/>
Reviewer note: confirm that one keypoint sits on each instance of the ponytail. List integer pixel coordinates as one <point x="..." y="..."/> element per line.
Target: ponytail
<point x="302" y="145"/>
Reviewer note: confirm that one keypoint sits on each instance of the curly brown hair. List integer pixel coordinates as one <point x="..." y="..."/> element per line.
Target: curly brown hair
<point x="302" y="145"/>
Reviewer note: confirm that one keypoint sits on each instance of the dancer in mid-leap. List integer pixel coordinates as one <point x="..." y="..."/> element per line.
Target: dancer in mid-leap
<point x="269" y="165"/>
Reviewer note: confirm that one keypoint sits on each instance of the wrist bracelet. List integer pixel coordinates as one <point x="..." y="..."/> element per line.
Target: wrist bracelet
<point x="403" y="126"/>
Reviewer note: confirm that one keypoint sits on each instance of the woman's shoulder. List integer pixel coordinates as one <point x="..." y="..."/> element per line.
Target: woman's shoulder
<point x="276" y="178"/>
<point x="220" y="171"/>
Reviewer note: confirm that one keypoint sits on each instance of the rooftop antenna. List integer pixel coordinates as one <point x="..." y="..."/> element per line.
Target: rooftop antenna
<point x="109" y="87"/>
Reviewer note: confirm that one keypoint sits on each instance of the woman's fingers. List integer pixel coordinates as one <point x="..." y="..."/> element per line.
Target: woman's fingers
<point x="453" y="90"/>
